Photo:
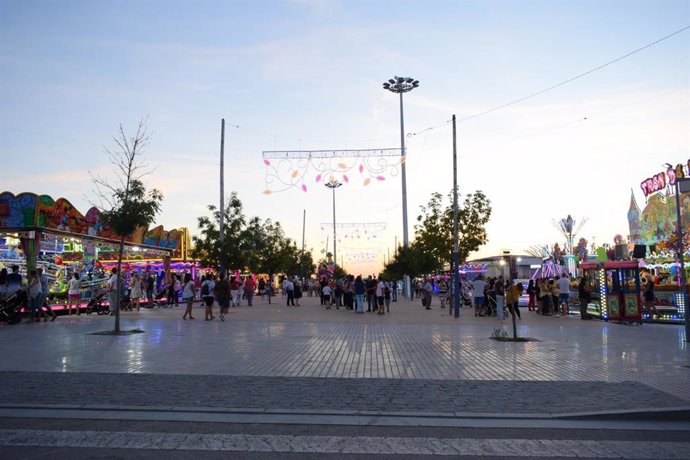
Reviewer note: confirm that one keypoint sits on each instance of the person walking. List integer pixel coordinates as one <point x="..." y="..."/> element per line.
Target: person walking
<point x="499" y="287"/>
<point x="221" y="291"/>
<point x="289" y="289"/>
<point x="544" y="297"/>
<point x="648" y="294"/>
<point x="150" y="285"/>
<point x="326" y="295"/>
<point x="207" y="296"/>
<point x="36" y="297"/>
<point x="532" y="293"/>
<point x="387" y="295"/>
<point x="349" y="292"/>
<point x="298" y="290"/>
<point x="234" y="292"/>
<point x="564" y="294"/>
<point x="478" y="298"/>
<point x="74" y="294"/>
<point x="513" y="293"/>
<point x="427" y="294"/>
<point x="111" y="286"/>
<point x="371" y="294"/>
<point x="555" y="295"/>
<point x="380" y="286"/>
<point x="45" y="286"/>
<point x="249" y="288"/>
<point x="360" y="290"/>
<point x="585" y="296"/>
<point x="136" y="291"/>
<point x="188" y="294"/>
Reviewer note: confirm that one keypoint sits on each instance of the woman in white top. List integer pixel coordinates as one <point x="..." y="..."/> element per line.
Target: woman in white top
<point x="74" y="294"/>
<point x="188" y="294"/>
<point x="136" y="291"/>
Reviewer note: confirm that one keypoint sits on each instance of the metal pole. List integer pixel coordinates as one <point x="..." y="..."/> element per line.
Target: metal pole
<point x="456" y="249"/>
<point x="408" y="289"/>
<point x="683" y="293"/>
<point x="403" y="173"/>
<point x="335" y="244"/>
<point x="304" y="220"/>
<point x="221" y="224"/>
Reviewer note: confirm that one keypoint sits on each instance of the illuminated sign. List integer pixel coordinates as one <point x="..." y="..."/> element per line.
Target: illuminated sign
<point x="658" y="182"/>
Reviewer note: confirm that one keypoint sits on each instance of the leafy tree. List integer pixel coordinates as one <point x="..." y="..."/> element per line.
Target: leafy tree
<point x="304" y="264"/>
<point x="127" y="205"/>
<point x="412" y="260"/>
<point x="435" y="229"/>
<point x="207" y="247"/>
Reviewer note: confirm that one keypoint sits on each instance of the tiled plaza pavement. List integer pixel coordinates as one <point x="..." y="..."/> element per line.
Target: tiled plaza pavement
<point x="271" y="357"/>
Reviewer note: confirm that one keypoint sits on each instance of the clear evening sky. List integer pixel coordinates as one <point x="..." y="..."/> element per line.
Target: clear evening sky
<point x="307" y="75"/>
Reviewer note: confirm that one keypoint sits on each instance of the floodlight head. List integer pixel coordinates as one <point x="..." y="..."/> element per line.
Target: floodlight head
<point x="391" y="81"/>
<point x="400" y="79"/>
<point x="386" y="86"/>
<point x="409" y="80"/>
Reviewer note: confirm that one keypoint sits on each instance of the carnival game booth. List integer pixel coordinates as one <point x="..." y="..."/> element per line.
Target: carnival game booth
<point x="667" y="306"/>
<point x="615" y="290"/>
<point x="37" y="230"/>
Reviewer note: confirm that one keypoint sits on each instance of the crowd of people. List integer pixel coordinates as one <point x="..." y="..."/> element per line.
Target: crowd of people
<point x="350" y="292"/>
<point x="493" y="296"/>
<point x="497" y="296"/>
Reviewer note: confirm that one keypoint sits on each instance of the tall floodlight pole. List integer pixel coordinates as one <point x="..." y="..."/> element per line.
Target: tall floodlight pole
<point x="334" y="184"/>
<point x="682" y="186"/>
<point x="221" y="224"/>
<point x="402" y="85"/>
<point x="456" y="244"/>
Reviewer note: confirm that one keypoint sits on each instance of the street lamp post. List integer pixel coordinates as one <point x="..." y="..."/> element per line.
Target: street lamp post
<point x="682" y="186"/>
<point x="334" y="184"/>
<point x="402" y="85"/>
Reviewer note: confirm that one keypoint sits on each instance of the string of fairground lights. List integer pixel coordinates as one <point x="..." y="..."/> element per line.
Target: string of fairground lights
<point x="557" y="85"/>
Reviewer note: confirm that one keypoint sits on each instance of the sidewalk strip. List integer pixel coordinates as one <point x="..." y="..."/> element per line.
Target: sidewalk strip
<point x="345" y="445"/>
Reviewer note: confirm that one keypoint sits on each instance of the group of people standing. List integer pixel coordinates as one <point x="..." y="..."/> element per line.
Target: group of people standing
<point x="493" y="296"/>
<point x="39" y="285"/>
<point x="550" y="296"/>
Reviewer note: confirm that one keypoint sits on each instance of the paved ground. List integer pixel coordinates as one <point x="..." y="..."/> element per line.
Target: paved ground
<point x="282" y="366"/>
<point x="273" y="348"/>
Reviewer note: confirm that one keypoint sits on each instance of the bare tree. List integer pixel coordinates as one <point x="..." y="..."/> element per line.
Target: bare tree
<point x="125" y="204"/>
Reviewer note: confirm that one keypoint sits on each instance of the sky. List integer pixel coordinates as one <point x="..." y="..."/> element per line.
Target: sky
<point x="307" y="75"/>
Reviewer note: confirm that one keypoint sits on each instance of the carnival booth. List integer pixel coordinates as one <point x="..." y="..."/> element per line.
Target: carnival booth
<point x="38" y="231"/>
<point x="615" y="290"/>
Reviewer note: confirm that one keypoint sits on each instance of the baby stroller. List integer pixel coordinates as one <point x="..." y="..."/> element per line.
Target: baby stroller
<point x="158" y="299"/>
<point x="9" y="308"/>
<point x="98" y="303"/>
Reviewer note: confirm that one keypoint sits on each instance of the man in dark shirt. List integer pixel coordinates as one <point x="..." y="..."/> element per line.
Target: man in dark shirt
<point x="14" y="281"/>
<point x="371" y="294"/>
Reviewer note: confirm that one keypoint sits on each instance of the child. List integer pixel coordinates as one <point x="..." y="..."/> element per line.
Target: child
<point x="326" y="295"/>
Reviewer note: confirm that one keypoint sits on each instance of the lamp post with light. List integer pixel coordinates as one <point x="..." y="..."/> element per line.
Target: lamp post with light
<point x="334" y="184"/>
<point x="402" y="85"/>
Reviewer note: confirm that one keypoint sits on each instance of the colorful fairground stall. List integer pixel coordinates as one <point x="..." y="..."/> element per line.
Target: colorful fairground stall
<point x="615" y="290"/>
<point x="653" y="238"/>
<point x="36" y="230"/>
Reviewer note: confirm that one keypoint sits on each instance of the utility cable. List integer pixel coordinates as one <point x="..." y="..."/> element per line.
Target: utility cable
<point x="516" y="101"/>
